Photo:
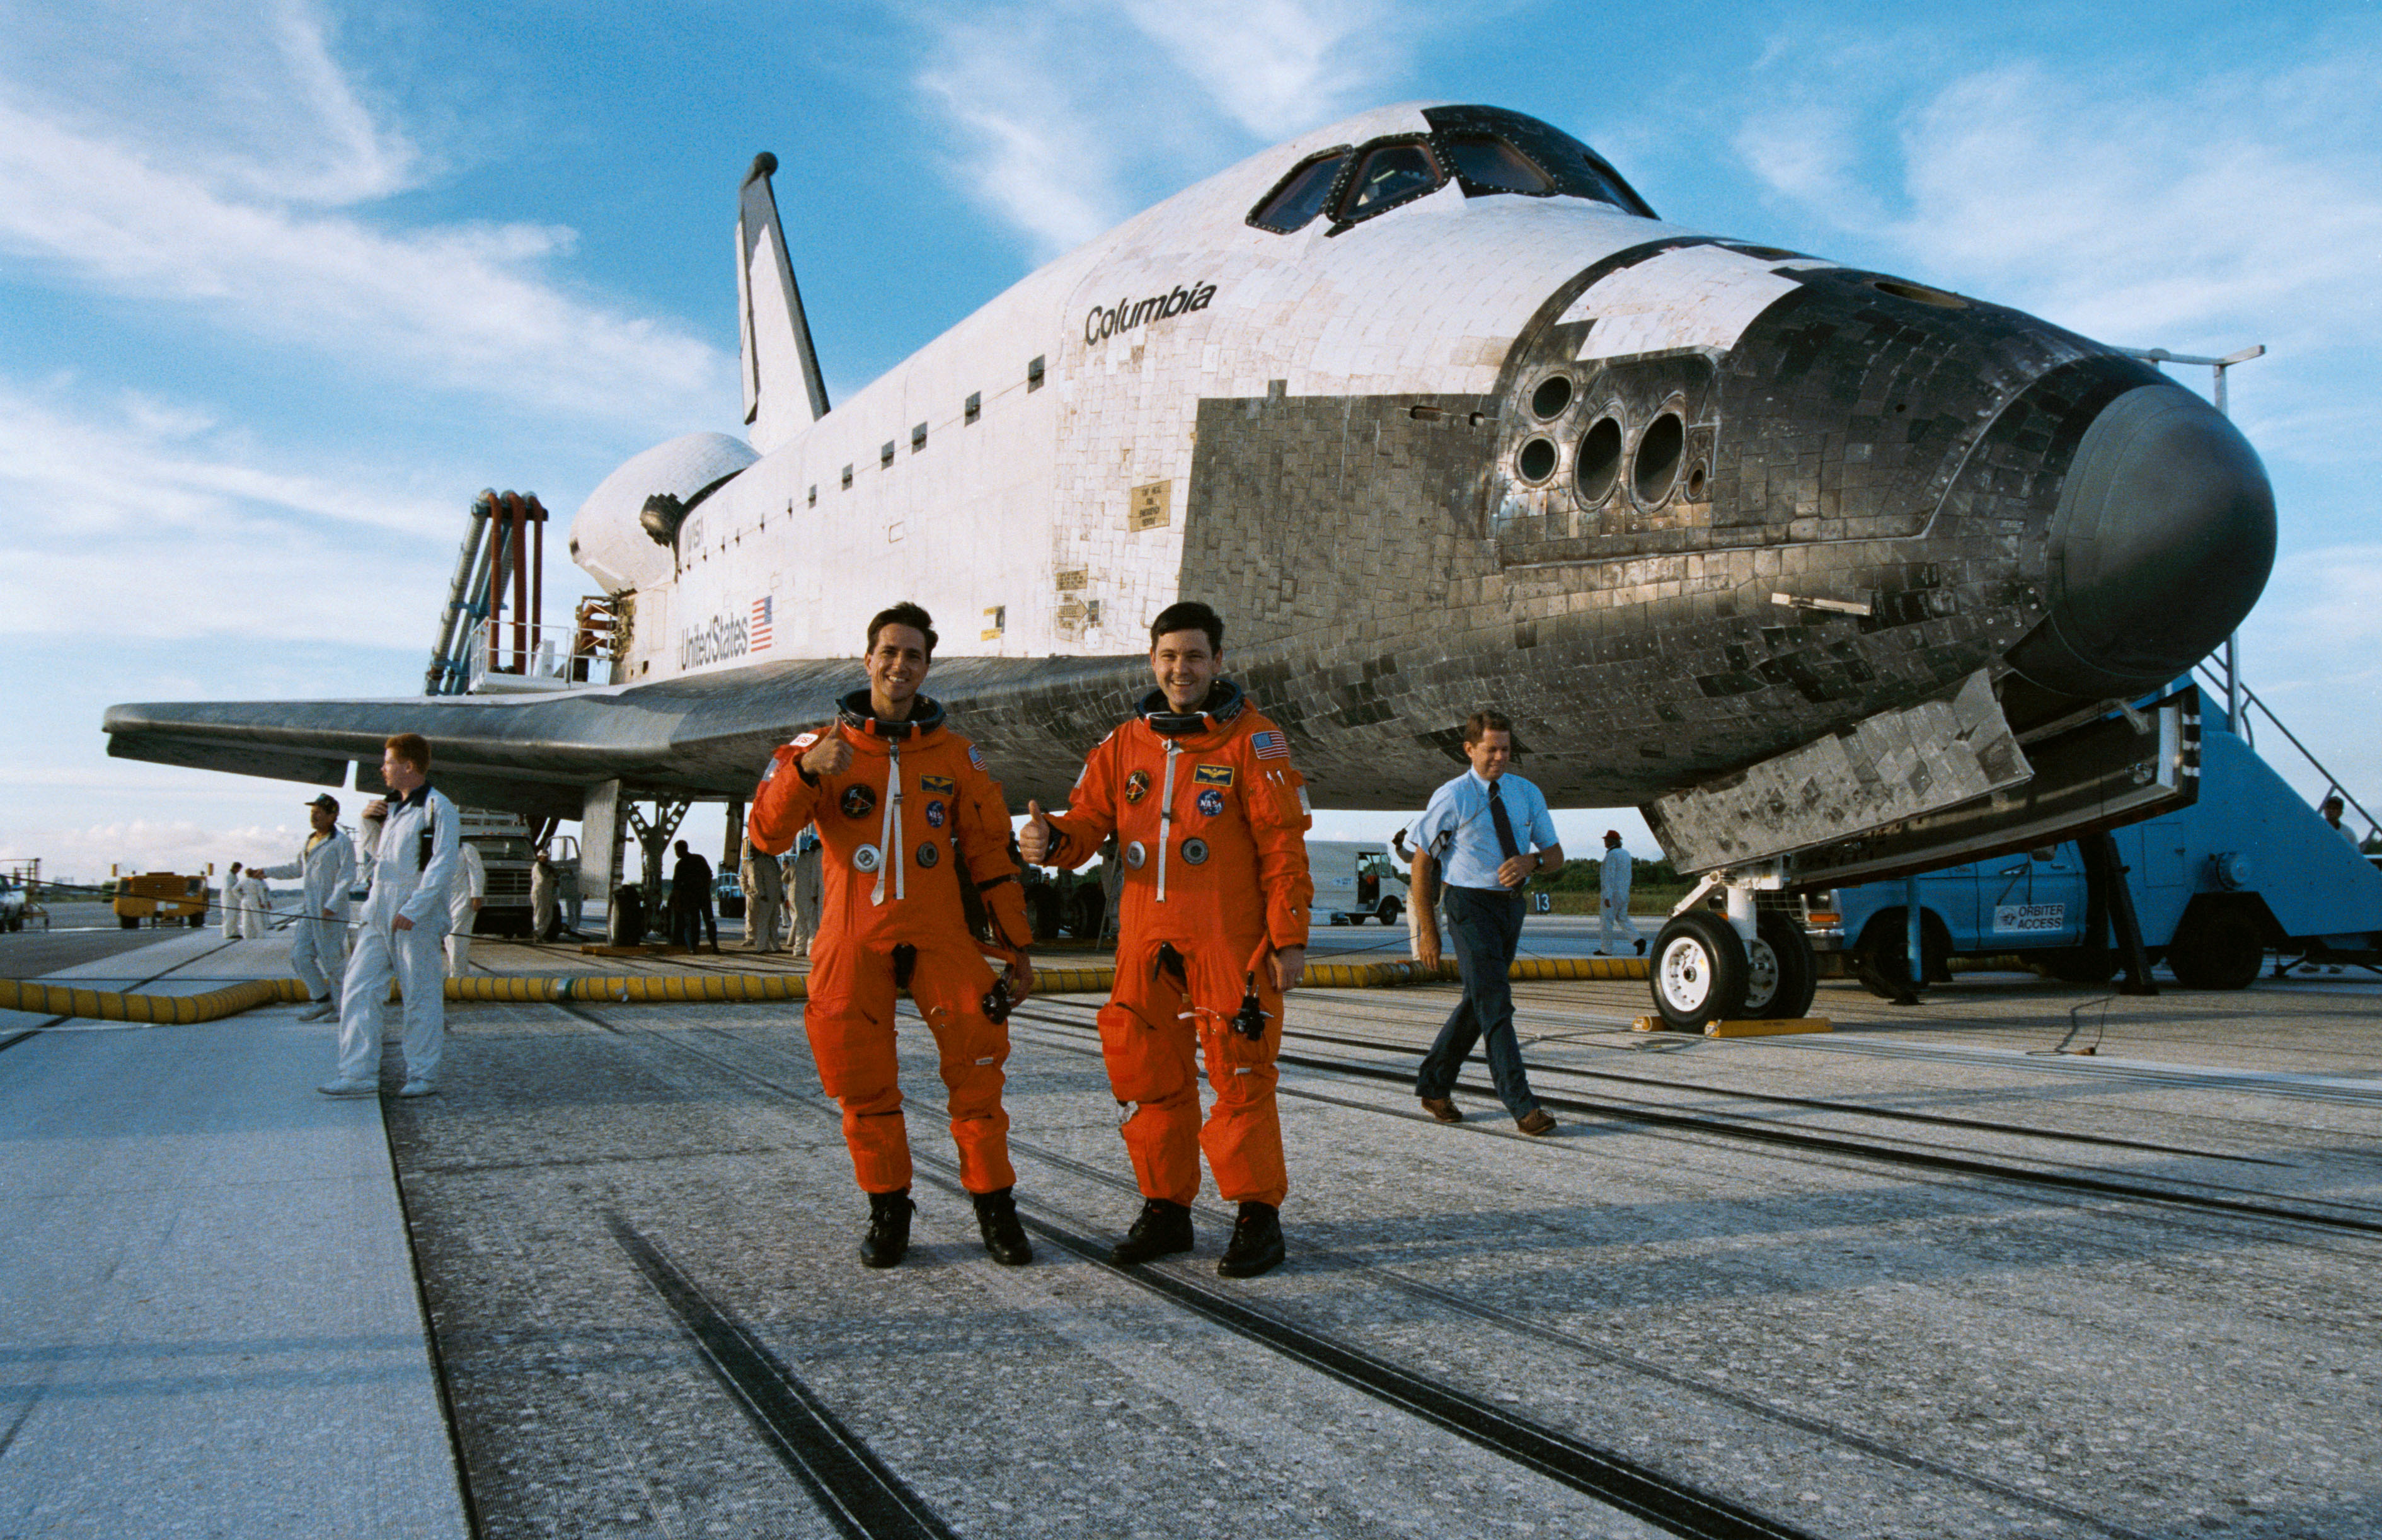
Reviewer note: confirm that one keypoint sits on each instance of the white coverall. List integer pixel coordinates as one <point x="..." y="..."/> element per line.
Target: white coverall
<point x="765" y="898"/>
<point x="544" y="914"/>
<point x="227" y="907"/>
<point x="402" y="886"/>
<point x="1612" y="908"/>
<point x="462" y="907"/>
<point x="318" y="942"/>
<point x="809" y="892"/>
<point x="255" y="906"/>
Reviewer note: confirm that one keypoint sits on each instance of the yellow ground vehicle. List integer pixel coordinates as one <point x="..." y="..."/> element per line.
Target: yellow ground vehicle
<point x="165" y="896"/>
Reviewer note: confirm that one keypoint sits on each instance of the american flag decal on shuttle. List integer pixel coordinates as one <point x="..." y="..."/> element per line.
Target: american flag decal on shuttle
<point x="758" y="633"/>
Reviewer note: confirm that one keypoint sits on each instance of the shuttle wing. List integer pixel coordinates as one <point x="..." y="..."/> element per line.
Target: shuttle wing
<point x="706" y="735"/>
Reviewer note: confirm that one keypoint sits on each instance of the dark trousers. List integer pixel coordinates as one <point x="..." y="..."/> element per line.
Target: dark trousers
<point x="690" y="921"/>
<point x="1486" y="925"/>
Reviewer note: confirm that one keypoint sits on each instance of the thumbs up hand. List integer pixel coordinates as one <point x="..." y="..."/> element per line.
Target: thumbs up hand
<point x="1034" y="837"/>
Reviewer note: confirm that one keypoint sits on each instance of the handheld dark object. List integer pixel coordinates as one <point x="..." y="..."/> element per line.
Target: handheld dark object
<point x="1250" y="1019"/>
<point x="997" y="1003"/>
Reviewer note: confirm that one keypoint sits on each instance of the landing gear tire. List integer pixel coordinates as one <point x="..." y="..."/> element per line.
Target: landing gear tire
<point x="1781" y="974"/>
<point x="2083" y="964"/>
<point x="1700" y="971"/>
<point x="1884" y="950"/>
<point x="2216" y="952"/>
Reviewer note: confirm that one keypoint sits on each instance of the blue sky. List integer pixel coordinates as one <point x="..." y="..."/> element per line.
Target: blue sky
<point x="283" y="285"/>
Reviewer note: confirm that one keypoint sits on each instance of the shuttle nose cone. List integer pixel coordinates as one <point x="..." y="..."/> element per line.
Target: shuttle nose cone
<point x="2161" y="543"/>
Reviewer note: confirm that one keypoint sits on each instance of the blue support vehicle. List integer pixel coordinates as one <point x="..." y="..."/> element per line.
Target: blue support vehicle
<point x="2249" y="868"/>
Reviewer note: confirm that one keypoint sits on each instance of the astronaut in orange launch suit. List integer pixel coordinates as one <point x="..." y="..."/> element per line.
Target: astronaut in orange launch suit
<point x="1213" y="820"/>
<point x="915" y="829"/>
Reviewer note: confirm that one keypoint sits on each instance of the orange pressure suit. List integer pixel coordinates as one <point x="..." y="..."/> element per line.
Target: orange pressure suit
<point x="915" y="805"/>
<point x="1211" y="821"/>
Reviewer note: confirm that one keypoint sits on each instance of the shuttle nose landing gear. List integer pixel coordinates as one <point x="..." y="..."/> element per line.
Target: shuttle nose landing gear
<point x="1754" y="963"/>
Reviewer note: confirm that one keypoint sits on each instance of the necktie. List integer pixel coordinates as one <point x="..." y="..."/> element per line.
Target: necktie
<point x="1504" y="824"/>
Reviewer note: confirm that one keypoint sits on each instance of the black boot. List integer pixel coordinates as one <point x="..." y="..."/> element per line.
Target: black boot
<point x="1163" y="1230"/>
<point x="887" y="1240"/>
<point x="996" y="1215"/>
<point x="1256" y="1242"/>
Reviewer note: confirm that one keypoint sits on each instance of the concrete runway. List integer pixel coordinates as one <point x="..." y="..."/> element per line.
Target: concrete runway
<point x="1919" y="1277"/>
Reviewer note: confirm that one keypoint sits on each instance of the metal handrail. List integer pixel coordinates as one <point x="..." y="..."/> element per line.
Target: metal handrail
<point x="2250" y="696"/>
<point x="485" y="655"/>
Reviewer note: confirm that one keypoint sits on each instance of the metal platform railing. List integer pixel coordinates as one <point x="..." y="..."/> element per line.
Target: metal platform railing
<point x="2234" y="689"/>
<point x="505" y="657"/>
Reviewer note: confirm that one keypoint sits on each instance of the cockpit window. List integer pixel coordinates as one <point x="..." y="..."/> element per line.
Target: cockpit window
<point x="1300" y="197"/>
<point x="1486" y="150"/>
<point x="1388" y="175"/>
<point x="1490" y="164"/>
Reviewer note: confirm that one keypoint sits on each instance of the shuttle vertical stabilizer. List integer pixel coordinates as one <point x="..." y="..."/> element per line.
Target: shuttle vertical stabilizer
<point x="776" y="334"/>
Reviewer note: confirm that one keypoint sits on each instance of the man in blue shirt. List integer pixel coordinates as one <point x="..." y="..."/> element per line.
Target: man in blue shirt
<point x="1489" y="830"/>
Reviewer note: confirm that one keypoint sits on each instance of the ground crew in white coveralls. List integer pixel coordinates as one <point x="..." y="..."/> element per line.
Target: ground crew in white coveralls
<point x="807" y="882"/>
<point x="413" y="870"/>
<point x="463" y="906"/>
<point x="318" y="941"/>
<point x="227" y="907"/>
<point x="765" y="897"/>
<point x="1612" y="899"/>
<point x="255" y="906"/>
<point x="544" y="915"/>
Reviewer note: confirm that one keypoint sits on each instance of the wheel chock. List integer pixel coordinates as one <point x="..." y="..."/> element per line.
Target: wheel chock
<point x="1768" y="1029"/>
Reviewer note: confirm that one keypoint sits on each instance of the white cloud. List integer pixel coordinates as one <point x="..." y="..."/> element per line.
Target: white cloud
<point x="83" y="853"/>
<point x="2188" y="216"/>
<point x="1277" y="67"/>
<point x="2244" y="204"/>
<point x="245" y="94"/>
<point x="187" y="537"/>
<point x="1069" y="117"/>
<point x="1020" y="150"/>
<point x="230" y="183"/>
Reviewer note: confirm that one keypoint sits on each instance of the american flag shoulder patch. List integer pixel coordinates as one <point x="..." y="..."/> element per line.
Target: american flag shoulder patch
<point x="1269" y="745"/>
<point x="805" y="740"/>
<point x="976" y="756"/>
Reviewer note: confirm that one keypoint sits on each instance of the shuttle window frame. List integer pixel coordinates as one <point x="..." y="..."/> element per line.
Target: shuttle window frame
<point x="1346" y="209"/>
<point x="1480" y="187"/>
<point x="1569" y="169"/>
<point x="1340" y="155"/>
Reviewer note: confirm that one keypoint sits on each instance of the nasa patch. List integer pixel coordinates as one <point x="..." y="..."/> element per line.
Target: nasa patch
<point x="1212" y="775"/>
<point x="929" y="853"/>
<point x="859" y="801"/>
<point x="935" y="815"/>
<point x="1212" y="802"/>
<point x="943" y="783"/>
<point x="1136" y="786"/>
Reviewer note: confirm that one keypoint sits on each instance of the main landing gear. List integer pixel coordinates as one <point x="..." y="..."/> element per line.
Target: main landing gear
<point x="1754" y="964"/>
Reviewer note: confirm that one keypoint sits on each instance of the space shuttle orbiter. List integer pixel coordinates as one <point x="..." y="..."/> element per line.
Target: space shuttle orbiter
<point x="1830" y="570"/>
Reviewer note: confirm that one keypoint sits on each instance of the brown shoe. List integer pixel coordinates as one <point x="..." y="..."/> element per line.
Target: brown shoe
<point x="1539" y="1121"/>
<point x="1443" y="1108"/>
